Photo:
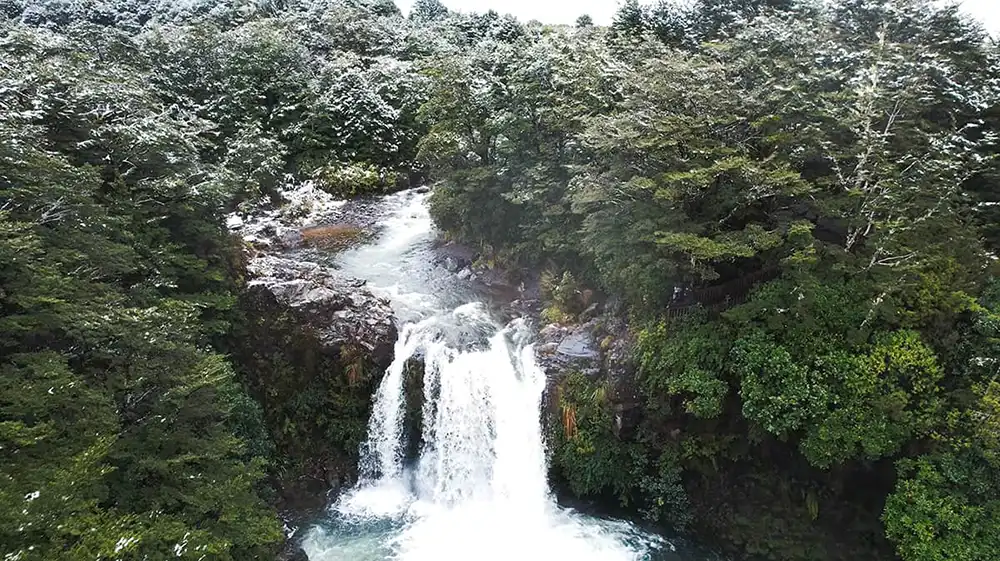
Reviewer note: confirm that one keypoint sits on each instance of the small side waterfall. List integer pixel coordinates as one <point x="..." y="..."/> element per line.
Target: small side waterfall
<point x="382" y="452"/>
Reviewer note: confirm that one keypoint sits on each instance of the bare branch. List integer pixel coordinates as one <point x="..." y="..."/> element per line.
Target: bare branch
<point x="54" y="213"/>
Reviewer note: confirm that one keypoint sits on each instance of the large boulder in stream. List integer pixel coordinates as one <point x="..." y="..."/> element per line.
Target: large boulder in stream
<point x="315" y="346"/>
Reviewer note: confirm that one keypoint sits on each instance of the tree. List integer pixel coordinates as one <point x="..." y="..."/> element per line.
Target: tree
<point x="791" y="202"/>
<point x="382" y="8"/>
<point x="673" y="24"/>
<point x="424" y="11"/>
<point x="584" y="21"/>
<point x="629" y="21"/>
<point x="945" y="506"/>
<point x="113" y="250"/>
<point x="716" y="18"/>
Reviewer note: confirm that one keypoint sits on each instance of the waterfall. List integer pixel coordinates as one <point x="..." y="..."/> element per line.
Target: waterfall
<point x="382" y="452"/>
<point x="481" y="436"/>
<point x="478" y="488"/>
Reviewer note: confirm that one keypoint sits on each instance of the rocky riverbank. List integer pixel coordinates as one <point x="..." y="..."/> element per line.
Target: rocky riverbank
<point x="599" y="349"/>
<point x="314" y="345"/>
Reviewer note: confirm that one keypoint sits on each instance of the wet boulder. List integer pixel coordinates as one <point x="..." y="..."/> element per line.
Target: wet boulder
<point x="454" y="257"/>
<point x="603" y="350"/>
<point x="521" y="308"/>
<point x="578" y="345"/>
<point x="564" y="348"/>
<point x="293" y="552"/>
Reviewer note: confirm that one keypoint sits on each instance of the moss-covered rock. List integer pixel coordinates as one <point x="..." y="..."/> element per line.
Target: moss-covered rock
<point x="334" y="237"/>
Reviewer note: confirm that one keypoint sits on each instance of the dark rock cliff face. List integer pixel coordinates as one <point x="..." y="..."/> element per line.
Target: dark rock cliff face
<point x="620" y="370"/>
<point x="601" y="349"/>
<point x="336" y="310"/>
<point x="316" y="344"/>
<point x="312" y="348"/>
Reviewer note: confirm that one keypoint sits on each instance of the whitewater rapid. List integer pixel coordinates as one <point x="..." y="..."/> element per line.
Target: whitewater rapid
<point x="478" y="488"/>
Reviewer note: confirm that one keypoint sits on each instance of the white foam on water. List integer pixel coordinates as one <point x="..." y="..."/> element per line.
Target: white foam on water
<point x="380" y="499"/>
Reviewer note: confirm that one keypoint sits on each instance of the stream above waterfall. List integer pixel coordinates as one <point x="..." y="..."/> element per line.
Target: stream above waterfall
<point x="478" y="488"/>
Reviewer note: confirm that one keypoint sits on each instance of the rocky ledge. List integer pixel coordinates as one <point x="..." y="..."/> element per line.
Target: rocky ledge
<point x="315" y="343"/>
<point x="601" y="349"/>
<point x="315" y="346"/>
<point x="336" y="309"/>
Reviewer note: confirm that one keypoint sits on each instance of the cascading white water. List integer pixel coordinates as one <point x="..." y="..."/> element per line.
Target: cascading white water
<point x="482" y="437"/>
<point x="382" y="454"/>
<point x="478" y="490"/>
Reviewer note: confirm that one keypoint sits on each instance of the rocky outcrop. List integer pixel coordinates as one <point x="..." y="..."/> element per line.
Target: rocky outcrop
<point x="600" y="349"/>
<point x="278" y="228"/>
<point x="335" y="309"/>
<point x="494" y="282"/>
<point x="313" y="346"/>
<point x="620" y="371"/>
<point x="455" y="258"/>
<point x="569" y="347"/>
<point x="304" y="212"/>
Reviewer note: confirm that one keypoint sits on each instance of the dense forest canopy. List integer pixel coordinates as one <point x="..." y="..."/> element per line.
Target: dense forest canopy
<point x="796" y="204"/>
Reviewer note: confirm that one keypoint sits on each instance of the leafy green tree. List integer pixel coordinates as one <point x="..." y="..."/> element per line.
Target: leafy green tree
<point x="424" y="11"/>
<point x="794" y="200"/>
<point x="945" y="507"/>
<point x="629" y="21"/>
<point x="113" y="290"/>
<point x="945" y="502"/>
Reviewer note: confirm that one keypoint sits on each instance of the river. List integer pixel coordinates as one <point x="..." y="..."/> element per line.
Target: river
<point x="478" y="490"/>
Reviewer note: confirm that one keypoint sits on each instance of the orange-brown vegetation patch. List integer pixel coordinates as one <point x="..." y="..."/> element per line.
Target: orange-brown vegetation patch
<point x="333" y="236"/>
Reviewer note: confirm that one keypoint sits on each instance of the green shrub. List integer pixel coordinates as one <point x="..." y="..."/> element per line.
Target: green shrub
<point x="588" y="455"/>
<point x="357" y="179"/>
<point x="945" y="506"/>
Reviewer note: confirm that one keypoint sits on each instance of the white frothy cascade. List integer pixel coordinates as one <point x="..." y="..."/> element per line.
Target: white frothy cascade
<point x="478" y="490"/>
<point x="382" y="454"/>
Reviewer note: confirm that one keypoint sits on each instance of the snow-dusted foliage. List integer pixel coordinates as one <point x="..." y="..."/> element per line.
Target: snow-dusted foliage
<point x="796" y="202"/>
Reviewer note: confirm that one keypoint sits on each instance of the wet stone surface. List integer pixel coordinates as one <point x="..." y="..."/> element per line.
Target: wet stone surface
<point x="339" y="309"/>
